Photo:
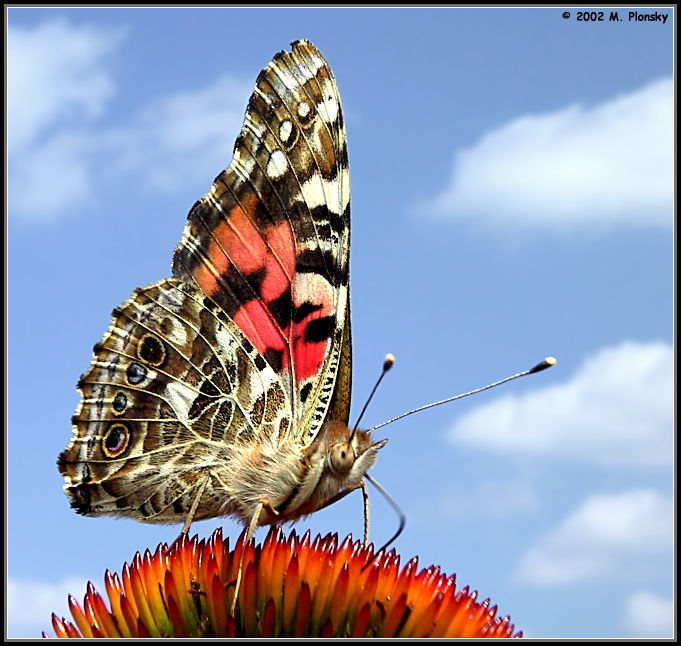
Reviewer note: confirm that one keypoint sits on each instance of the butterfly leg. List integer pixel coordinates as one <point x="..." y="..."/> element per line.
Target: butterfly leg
<point x="365" y="495"/>
<point x="263" y="504"/>
<point x="192" y="511"/>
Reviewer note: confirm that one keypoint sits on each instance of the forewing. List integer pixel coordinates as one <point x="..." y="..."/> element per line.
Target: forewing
<point x="270" y="240"/>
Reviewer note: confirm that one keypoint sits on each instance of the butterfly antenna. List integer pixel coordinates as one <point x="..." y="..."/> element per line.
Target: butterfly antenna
<point x="542" y="365"/>
<point x="387" y="364"/>
<point x="400" y="513"/>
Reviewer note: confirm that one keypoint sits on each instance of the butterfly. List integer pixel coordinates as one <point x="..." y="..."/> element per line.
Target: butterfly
<point x="224" y="390"/>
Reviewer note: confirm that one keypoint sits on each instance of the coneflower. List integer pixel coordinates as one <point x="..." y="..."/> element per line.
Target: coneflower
<point x="291" y="587"/>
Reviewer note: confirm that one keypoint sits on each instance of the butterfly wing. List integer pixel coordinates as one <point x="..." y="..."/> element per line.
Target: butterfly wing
<point x="250" y="343"/>
<point x="270" y="241"/>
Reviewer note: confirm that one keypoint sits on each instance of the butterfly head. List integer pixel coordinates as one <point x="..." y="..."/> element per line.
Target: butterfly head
<point x="341" y="457"/>
<point x="352" y="456"/>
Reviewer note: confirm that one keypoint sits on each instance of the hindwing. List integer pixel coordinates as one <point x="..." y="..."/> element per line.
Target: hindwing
<point x="174" y="385"/>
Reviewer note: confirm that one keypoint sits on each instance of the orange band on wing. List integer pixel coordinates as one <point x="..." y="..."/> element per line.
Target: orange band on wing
<point x="236" y="241"/>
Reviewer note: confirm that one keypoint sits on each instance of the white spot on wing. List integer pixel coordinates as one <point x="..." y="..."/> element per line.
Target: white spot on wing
<point x="303" y="109"/>
<point x="314" y="64"/>
<point x="177" y="334"/>
<point x="285" y="131"/>
<point x="332" y="193"/>
<point x="313" y="288"/>
<point x="180" y="397"/>
<point x="277" y="164"/>
<point x="171" y="299"/>
<point x="225" y="340"/>
<point x="329" y="109"/>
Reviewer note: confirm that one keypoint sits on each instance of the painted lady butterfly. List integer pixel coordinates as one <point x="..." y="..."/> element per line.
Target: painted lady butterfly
<point x="225" y="390"/>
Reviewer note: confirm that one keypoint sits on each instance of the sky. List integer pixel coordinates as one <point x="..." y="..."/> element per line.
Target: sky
<point x="512" y="198"/>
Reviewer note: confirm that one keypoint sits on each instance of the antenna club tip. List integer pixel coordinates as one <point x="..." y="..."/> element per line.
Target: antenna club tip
<point x="388" y="362"/>
<point x="543" y="365"/>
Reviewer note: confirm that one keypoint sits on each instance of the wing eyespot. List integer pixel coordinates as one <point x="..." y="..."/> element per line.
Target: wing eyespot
<point x="116" y="440"/>
<point x="151" y="350"/>
<point x="119" y="403"/>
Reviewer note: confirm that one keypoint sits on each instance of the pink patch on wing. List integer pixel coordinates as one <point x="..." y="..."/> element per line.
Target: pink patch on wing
<point x="256" y="323"/>
<point x="254" y="318"/>
<point x="239" y="243"/>
<point x="308" y="356"/>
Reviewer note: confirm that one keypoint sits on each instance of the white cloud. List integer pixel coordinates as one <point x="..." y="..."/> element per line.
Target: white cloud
<point x="610" y="164"/>
<point x="52" y="177"/>
<point x="55" y="72"/>
<point x="62" y="152"/>
<point x="649" y="615"/>
<point x="185" y="137"/>
<point x="58" y="86"/>
<point x="610" y="536"/>
<point x="616" y="410"/>
<point x="30" y="604"/>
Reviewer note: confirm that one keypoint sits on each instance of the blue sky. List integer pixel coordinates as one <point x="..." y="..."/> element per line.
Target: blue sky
<point x="512" y="198"/>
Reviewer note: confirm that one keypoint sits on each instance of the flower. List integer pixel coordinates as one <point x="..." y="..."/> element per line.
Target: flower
<point x="290" y="587"/>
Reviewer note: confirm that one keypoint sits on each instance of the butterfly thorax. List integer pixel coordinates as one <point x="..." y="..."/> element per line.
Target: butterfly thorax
<point x="335" y="462"/>
<point x="295" y="480"/>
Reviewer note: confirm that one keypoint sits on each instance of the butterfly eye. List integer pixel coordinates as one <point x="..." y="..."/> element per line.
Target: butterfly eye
<point x="341" y="458"/>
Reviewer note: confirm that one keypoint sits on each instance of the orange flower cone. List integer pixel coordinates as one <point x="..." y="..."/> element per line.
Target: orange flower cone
<point x="291" y="587"/>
